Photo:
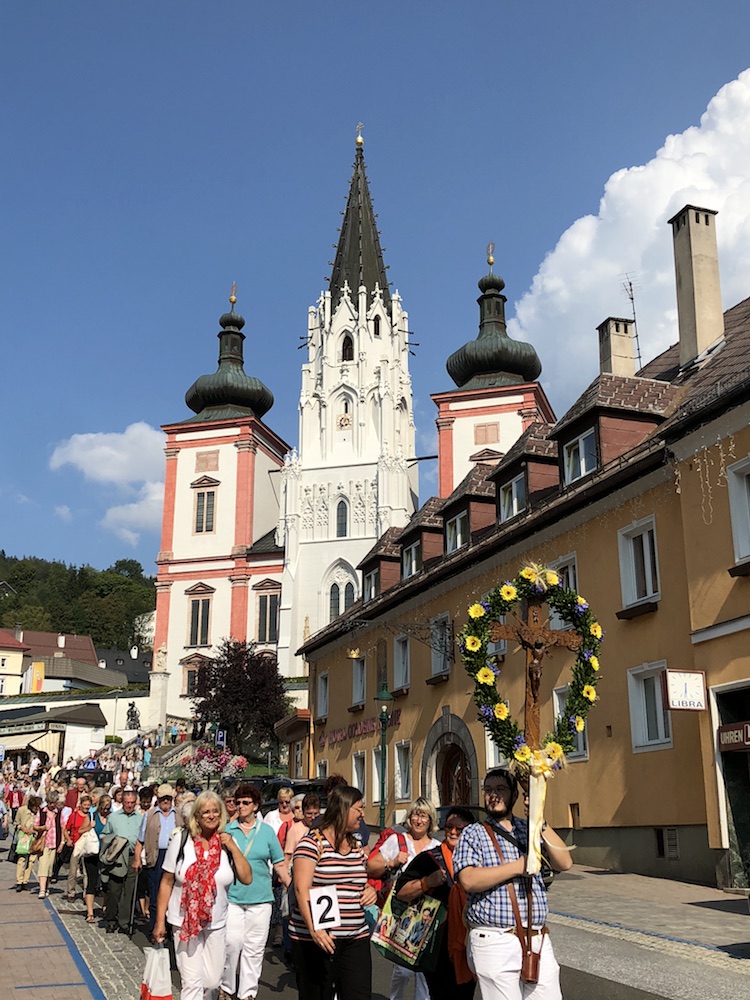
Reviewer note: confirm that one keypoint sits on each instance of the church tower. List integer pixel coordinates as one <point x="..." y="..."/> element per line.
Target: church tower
<point x="219" y="568"/>
<point x="354" y="475"/>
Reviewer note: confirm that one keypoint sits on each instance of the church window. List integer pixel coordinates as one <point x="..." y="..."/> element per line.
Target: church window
<point x="376" y="326"/>
<point x="486" y="433"/>
<point x="334" y="602"/>
<point x="205" y="505"/>
<point x="348" y="596"/>
<point x="268" y="618"/>
<point x="342" y="519"/>
<point x="347" y="349"/>
<point x="200" y="619"/>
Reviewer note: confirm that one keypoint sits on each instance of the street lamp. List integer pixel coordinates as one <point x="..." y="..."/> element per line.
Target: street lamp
<point x="383" y="698"/>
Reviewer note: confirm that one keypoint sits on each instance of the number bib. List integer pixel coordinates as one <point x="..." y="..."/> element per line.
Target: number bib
<point x="324" y="907"/>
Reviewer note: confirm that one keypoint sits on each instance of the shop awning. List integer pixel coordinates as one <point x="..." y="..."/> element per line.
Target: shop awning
<point x="48" y="742"/>
<point x="19" y="741"/>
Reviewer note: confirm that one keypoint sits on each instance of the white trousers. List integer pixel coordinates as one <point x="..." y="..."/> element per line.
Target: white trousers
<point x="200" y="962"/>
<point x="247" y="932"/>
<point x="400" y="979"/>
<point x="496" y="958"/>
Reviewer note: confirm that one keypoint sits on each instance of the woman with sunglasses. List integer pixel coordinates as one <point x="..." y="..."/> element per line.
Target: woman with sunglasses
<point x="250" y="906"/>
<point x="432" y="874"/>
<point x="91" y="861"/>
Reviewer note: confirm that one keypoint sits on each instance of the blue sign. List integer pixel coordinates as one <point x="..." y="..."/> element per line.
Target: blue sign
<point x="2" y="752"/>
<point x="221" y="738"/>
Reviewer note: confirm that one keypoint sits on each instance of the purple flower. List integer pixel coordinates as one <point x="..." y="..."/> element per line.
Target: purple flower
<point x="519" y="741"/>
<point x="572" y="723"/>
<point x="493" y="667"/>
<point x="487" y="711"/>
<point x="587" y="654"/>
<point x="580" y="609"/>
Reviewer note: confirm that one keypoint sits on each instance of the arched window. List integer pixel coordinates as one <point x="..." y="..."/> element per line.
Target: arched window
<point x="342" y="519"/>
<point x="376" y="325"/>
<point x="335" y="602"/>
<point x="348" y="596"/>
<point x="347" y="349"/>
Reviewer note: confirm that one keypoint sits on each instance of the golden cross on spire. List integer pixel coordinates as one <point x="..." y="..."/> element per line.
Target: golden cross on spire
<point x="233" y="293"/>
<point x="490" y="253"/>
<point x="359" y="140"/>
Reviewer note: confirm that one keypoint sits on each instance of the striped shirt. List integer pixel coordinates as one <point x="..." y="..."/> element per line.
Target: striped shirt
<point x="346" y="874"/>
<point x="493" y="907"/>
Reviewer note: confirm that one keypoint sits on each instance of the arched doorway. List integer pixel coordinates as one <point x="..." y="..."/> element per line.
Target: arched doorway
<point x="455" y="777"/>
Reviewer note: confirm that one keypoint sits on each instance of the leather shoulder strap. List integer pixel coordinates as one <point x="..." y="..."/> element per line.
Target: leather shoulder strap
<point x="525" y="939"/>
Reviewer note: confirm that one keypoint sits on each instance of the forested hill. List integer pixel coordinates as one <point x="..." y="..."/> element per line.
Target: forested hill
<point x="53" y="597"/>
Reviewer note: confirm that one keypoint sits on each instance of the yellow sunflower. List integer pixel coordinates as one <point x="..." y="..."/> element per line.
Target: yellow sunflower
<point x="522" y="754"/>
<point x="485" y="676"/>
<point x="580" y="724"/>
<point x="552" y="578"/>
<point x="529" y="574"/>
<point x="508" y="592"/>
<point x="553" y="750"/>
<point x="473" y="644"/>
<point x="476" y="611"/>
<point x="581" y="600"/>
<point x="596" y="630"/>
<point x="589" y="692"/>
<point x="594" y="661"/>
<point x="501" y="711"/>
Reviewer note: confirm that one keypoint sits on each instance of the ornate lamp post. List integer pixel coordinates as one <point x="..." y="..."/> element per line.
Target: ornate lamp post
<point x="383" y="698"/>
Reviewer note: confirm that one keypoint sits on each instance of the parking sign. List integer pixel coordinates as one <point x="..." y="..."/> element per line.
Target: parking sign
<point x="221" y="738"/>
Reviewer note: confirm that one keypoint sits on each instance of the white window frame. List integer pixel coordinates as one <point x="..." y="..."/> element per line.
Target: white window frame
<point x="457" y="532"/>
<point x="560" y="699"/>
<point x="738" y="486"/>
<point x="2" y="685"/>
<point x="638" y="679"/>
<point x="401" y="662"/>
<point x="321" y="700"/>
<point x="202" y="630"/>
<point x="577" y="445"/>
<point x="359" y="772"/>
<point x="321" y="768"/>
<point x="269" y="634"/>
<point x="513" y="497"/>
<point x="566" y="568"/>
<point x="411" y="559"/>
<point x="628" y="538"/>
<point x="299" y="758"/>
<point x="440" y="658"/>
<point x="359" y="681"/>
<point x="402" y="771"/>
<point x="376" y="764"/>
<point x="492" y="755"/>
<point x="202" y="517"/>
<point x="371" y="584"/>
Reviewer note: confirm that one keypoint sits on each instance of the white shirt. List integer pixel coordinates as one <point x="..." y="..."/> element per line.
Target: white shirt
<point x="389" y="848"/>
<point x="224" y="878"/>
<point x="275" y="820"/>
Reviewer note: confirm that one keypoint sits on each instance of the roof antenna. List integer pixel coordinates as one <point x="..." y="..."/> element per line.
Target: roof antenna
<point x="629" y="286"/>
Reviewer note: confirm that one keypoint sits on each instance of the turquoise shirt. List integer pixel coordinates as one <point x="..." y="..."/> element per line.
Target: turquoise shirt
<point x="260" y="847"/>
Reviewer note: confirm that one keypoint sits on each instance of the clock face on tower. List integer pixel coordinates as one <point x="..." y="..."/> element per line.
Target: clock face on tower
<point x="344" y="421"/>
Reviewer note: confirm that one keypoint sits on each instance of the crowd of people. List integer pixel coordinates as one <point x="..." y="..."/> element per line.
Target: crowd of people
<point x="222" y="882"/>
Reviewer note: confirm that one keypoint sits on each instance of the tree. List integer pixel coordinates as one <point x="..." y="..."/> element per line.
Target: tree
<point x="242" y="691"/>
<point x="31" y="617"/>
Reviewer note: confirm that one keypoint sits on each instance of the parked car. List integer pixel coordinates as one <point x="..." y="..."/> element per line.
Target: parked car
<point x="270" y="791"/>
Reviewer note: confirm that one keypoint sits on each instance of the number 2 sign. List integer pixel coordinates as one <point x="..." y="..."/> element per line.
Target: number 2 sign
<point x="324" y="906"/>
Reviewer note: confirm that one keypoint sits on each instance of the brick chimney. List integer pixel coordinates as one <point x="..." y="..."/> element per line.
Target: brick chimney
<point x="696" y="261"/>
<point x="616" y="353"/>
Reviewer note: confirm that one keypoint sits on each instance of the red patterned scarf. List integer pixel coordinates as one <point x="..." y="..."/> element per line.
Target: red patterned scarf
<point x="199" y="888"/>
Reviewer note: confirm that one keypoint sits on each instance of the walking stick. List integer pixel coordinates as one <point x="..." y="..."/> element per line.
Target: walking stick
<point x="135" y="900"/>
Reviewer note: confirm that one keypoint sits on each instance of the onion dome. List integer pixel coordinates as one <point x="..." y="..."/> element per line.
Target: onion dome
<point x="229" y="392"/>
<point x="493" y="359"/>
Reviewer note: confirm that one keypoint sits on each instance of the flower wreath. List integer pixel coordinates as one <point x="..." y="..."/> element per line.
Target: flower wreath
<point x="533" y="582"/>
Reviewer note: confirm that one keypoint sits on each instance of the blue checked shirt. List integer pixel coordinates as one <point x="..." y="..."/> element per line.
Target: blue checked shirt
<point x="493" y="908"/>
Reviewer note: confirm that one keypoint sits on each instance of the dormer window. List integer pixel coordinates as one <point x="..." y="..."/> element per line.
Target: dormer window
<point x="513" y="497"/>
<point x="579" y="457"/>
<point x="411" y="560"/>
<point x="457" y="532"/>
<point x="371" y="585"/>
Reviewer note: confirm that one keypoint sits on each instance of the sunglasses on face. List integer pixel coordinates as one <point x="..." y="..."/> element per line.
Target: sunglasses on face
<point x="245" y="802"/>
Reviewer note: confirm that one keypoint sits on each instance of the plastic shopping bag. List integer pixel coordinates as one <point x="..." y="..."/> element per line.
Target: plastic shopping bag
<point x="157" y="979"/>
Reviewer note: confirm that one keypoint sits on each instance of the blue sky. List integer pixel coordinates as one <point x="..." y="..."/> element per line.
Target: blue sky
<point x="155" y="153"/>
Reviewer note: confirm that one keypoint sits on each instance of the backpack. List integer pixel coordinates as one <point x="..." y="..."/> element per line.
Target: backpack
<point x="184" y="834"/>
<point x="383" y="885"/>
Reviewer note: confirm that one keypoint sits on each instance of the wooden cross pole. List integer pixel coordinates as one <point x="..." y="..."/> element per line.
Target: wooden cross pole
<point x="536" y="638"/>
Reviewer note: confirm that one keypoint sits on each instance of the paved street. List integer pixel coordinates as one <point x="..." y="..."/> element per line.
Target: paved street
<point x="618" y="937"/>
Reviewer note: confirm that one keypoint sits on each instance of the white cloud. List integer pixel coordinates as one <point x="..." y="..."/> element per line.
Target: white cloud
<point x="134" y="456"/>
<point x="579" y="283"/>
<point x="128" y="520"/>
<point x="64" y="513"/>
<point x="133" y="462"/>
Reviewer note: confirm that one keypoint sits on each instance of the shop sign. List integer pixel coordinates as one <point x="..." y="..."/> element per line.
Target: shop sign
<point x="734" y="736"/>
<point x="354" y="729"/>
<point x="685" y="690"/>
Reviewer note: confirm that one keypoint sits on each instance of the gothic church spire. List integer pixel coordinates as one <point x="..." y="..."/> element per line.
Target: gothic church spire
<point x="359" y="257"/>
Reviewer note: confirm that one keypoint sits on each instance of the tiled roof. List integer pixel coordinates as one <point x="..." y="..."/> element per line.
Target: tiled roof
<point x="266" y="544"/>
<point x="474" y="484"/>
<point x="9" y="641"/>
<point x="77" y="647"/>
<point x="386" y="545"/>
<point x="533" y="442"/>
<point x="645" y="396"/>
<point x="426" y="517"/>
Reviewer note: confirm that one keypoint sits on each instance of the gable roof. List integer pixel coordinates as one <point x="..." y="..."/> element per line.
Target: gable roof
<point x="627" y="394"/>
<point x="534" y="443"/>
<point x="9" y="641"/>
<point x="77" y="647"/>
<point x="387" y="545"/>
<point x="427" y="516"/>
<point x="474" y="484"/>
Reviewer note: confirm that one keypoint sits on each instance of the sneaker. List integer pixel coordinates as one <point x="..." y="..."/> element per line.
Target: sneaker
<point x="223" y="995"/>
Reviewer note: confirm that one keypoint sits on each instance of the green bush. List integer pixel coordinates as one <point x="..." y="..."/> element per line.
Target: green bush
<point x="113" y="739"/>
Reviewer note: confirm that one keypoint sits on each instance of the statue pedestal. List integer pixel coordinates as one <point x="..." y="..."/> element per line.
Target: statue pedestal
<point x="155" y="710"/>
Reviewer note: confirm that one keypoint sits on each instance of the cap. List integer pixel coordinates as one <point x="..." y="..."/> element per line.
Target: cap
<point x="163" y="790"/>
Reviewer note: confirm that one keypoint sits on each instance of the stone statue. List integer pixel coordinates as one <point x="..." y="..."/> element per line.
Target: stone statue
<point x="160" y="660"/>
<point x="133" y="717"/>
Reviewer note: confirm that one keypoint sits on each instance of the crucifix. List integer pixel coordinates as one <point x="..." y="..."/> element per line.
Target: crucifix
<point x="536" y="638"/>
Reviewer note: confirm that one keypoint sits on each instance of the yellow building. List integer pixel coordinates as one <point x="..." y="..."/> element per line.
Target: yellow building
<point x="12" y="650"/>
<point x="640" y="497"/>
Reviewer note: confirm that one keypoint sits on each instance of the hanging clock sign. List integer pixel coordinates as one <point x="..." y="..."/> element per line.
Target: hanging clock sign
<point x="685" y="690"/>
